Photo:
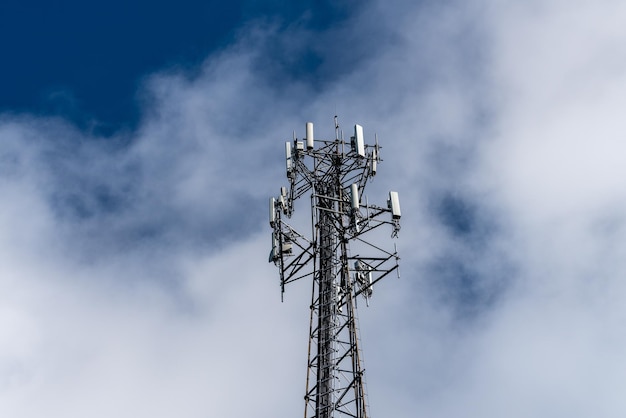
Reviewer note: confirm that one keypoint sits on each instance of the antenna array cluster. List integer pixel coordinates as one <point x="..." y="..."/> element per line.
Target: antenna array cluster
<point x="336" y="256"/>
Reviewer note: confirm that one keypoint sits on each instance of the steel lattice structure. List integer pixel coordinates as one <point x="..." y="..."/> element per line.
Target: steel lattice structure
<point x="335" y="174"/>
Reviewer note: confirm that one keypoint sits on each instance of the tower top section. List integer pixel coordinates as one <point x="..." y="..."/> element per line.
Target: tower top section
<point x="337" y="256"/>
<point x="310" y="164"/>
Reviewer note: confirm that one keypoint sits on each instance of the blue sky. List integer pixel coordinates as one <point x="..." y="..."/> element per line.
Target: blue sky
<point x="86" y="62"/>
<point x="139" y="145"/>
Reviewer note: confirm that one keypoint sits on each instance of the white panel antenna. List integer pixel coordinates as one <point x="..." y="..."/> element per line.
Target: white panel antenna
<point x="375" y="156"/>
<point x="354" y="196"/>
<point x="288" y="158"/>
<point x="283" y="200"/>
<point x="358" y="143"/>
<point x="274" y="251"/>
<point x="309" y="135"/>
<point x="272" y="212"/>
<point x="394" y="204"/>
<point x="374" y="162"/>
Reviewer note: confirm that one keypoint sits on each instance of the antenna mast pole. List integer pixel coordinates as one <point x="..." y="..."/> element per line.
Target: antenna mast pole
<point x="336" y="178"/>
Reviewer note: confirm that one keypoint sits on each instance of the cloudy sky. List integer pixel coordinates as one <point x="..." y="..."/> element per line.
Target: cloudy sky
<point x="139" y="145"/>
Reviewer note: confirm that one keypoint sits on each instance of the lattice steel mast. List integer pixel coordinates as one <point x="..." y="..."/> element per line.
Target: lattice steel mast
<point x="336" y="175"/>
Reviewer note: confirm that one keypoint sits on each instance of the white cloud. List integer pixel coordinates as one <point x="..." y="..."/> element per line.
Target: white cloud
<point x="134" y="277"/>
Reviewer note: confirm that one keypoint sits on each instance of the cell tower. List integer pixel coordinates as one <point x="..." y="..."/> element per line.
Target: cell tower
<point x="342" y="264"/>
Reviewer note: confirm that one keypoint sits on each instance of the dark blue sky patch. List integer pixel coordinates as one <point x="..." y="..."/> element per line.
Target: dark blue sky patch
<point x="472" y="272"/>
<point x="457" y="286"/>
<point x="79" y="202"/>
<point x="315" y="14"/>
<point x="85" y="61"/>
<point x="465" y="220"/>
<point x="463" y="287"/>
<point x="96" y="53"/>
<point x="86" y="177"/>
<point x="457" y="215"/>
